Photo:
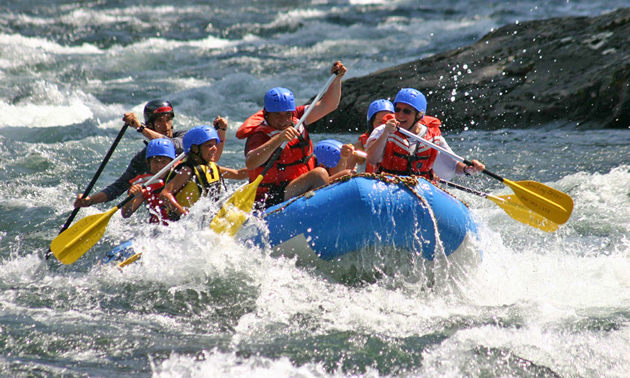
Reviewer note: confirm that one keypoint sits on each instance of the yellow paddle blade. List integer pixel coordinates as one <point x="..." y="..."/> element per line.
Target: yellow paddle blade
<point x="544" y="200"/>
<point x="235" y="211"/>
<point x="130" y="260"/>
<point x="555" y="195"/>
<point x="78" y="239"/>
<point x="515" y="209"/>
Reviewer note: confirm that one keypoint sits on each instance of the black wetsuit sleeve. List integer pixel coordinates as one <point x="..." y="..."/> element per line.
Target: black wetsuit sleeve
<point x="178" y="141"/>
<point x="137" y="166"/>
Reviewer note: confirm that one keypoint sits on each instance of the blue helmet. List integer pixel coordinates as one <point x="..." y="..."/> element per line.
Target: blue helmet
<point x="413" y="98"/>
<point x="161" y="147"/>
<point x="279" y="100"/>
<point x="379" y="106"/>
<point x="328" y="152"/>
<point x="198" y="136"/>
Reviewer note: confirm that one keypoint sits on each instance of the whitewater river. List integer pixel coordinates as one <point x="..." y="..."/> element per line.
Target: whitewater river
<point x="199" y="304"/>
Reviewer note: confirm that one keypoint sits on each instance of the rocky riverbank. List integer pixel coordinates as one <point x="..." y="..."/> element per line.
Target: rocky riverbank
<point x="572" y="69"/>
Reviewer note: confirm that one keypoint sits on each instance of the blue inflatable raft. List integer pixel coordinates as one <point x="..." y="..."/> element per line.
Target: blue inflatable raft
<point x="366" y="211"/>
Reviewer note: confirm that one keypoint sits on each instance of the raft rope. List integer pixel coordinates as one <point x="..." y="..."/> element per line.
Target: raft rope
<point x="409" y="181"/>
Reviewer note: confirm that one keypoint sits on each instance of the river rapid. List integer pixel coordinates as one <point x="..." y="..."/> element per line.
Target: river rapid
<point x="202" y="305"/>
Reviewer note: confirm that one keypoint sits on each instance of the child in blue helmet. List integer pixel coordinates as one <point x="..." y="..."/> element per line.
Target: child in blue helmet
<point x="377" y="111"/>
<point x="198" y="175"/>
<point x="160" y="152"/>
<point x="334" y="156"/>
<point x="392" y="152"/>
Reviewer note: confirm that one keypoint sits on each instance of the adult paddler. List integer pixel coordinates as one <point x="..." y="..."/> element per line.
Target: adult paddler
<point x="295" y="171"/>
<point x="392" y="152"/>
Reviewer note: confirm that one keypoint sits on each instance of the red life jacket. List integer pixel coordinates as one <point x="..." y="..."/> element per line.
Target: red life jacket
<point x="296" y="159"/>
<point x="369" y="168"/>
<point x="400" y="160"/>
<point x="363" y="139"/>
<point x="152" y="195"/>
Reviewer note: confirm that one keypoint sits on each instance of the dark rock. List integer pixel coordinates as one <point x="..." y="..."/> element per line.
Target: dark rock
<point x="570" y="69"/>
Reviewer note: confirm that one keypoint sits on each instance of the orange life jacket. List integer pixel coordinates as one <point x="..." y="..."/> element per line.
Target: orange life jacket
<point x="296" y="158"/>
<point x="249" y="126"/>
<point x="400" y="160"/>
<point x="152" y="195"/>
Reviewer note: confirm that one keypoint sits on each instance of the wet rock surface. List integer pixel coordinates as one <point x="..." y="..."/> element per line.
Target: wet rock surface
<point x="562" y="70"/>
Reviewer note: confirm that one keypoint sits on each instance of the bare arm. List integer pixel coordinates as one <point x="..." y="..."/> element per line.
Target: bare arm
<point x="132" y="120"/>
<point x="461" y="168"/>
<point x="346" y="154"/>
<point x="330" y="100"/>
<point x="172" y="188"/>
<point x="130" y="207"/>
<point x="259" y="155"/>
<point x="358" y="160"/>
<point x="88" y="201"/>
<point x="220" y="124"/>
<point x="375" y="151"/>
<point x="235" y="174"/>
<point x="475" y="168"/>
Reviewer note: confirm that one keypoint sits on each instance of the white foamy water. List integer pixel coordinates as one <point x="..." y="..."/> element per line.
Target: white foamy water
<point x="198" y="304"/>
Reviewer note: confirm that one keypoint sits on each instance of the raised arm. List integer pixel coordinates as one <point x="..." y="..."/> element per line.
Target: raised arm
<point x="331" y="98"/>
<point x="131" y="119"/>
<point x="220" y="124"/>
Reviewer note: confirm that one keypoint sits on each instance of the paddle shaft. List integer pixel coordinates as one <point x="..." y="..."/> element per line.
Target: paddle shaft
<point x="472" y="191"/>
<point x="512" y="207"/>
<point x="509" y="183"/>
<point x="445" y="151"/>
<point x="463" y="188"/>
<point x="544" y="202"/>
<point x="88" y="189"/>
<point x="100" y="169"/>
<point x="449" y="153"/>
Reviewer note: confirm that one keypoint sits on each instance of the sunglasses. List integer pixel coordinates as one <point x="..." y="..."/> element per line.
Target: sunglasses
<point x="406" y="111"/>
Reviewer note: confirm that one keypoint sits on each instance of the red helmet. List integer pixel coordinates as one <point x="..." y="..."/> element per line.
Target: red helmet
<point x="155" y="108"/>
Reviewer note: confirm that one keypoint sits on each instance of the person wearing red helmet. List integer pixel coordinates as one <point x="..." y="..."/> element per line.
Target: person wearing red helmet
<point x="392" y="152"/>
<point x="294" y="172"/>
<point x="158" y="123"/>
